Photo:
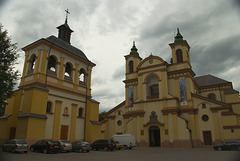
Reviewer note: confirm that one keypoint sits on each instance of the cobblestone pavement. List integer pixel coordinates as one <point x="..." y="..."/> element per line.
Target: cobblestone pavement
<point x="138" y="154"/>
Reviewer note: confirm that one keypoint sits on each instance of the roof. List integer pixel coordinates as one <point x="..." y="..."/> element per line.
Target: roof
<point x="209" y="80"/>
<point x="65" y="25"/>
<point x="66" y="46"/>
<point x="115" y="108"/>
<point x="33" y="115"/>
<point x="230" y="91"/>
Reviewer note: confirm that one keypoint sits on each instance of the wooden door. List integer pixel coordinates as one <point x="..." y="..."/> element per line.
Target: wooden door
<point x="207" y="137"/>
<point x="64" y="132"/>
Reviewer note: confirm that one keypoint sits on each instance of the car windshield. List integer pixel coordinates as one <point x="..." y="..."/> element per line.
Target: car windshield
<point x="65" y="142"/>
<point x="53" y="142"/>
<point x="21" y="142"/>
<point x="85" y="143"/>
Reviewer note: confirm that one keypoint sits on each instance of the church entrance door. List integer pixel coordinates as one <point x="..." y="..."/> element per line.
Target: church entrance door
<point x="154" y="136"/>
<point x="64" y="132"/>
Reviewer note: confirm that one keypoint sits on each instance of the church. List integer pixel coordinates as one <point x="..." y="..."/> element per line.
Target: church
<point x="53" y="100"/>
<point x="167" y="105"/>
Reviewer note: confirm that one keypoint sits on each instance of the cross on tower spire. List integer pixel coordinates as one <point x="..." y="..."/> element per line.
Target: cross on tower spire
<point x="67" y="12"/>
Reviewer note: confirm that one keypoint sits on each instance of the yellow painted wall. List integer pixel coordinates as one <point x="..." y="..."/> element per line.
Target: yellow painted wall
<point x="73" y="122"/>
<point x="36" y="128"/>
<point x="57" y="119"/>
<point x="93" y="131"/>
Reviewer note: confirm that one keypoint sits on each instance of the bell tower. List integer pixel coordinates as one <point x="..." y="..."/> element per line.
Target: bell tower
<point x="180" y="50"/>
<point x="132" y="61"/>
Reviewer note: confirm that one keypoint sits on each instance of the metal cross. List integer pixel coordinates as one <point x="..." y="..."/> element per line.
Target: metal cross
<point x="67" y="12"/>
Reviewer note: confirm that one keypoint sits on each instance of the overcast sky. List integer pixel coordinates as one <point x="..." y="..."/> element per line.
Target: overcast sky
<point x="105" y="30"/>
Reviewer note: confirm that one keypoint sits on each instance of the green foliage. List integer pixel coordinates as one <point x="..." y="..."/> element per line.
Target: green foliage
<point x="101" y="115"/>
<point x="8" y="76"/>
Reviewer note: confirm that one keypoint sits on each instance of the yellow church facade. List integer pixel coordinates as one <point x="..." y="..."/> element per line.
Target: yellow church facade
<point x="166" y="105"/>
<point x="54" y="96"/>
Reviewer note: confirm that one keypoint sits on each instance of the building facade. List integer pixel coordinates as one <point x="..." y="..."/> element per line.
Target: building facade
<point x="166" y="105"/>
<point x="54" y="96"/>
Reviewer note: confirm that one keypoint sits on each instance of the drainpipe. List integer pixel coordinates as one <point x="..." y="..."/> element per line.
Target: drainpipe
<point x="85" y="111"/>
<point x="187" y="122"/>
<point x="220" y="92"/>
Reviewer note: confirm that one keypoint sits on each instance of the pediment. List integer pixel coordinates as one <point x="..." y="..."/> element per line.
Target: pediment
<point x="151" y="61"/>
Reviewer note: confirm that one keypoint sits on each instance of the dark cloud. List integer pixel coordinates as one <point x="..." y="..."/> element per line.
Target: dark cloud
<point x="2" y="3"/>
<point x="210" y="27"/>
<point x="119" y="74"/>
<point x="216" y="57"/>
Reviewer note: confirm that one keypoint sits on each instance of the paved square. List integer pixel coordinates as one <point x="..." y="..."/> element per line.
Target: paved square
<point x="138" y="154"/>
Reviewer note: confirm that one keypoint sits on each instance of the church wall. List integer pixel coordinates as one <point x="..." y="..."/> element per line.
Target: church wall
<point x="119" y="128"/>
<point x="49" y="125"/>
<point x="36" y="128"/>
<point x="79" y="129"/>
<point x="183" y="131"/>
<point x="231" y="134"/>
<point x="229" y="120"/>
<point x="232" y="98"/>
<point x="153" y="106"/>
<point x="216" y="92"/>
<point x="22" y="125"/>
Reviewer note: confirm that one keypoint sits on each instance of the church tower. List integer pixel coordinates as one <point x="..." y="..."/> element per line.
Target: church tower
<point x="180" y="50"/>
<point x="132" y="61"/>
<point x="181" y="65"/>
<point x="54" y="97"/>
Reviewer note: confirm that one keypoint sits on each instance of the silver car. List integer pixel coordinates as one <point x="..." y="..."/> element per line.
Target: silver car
<point x="15" y="145"/>
<point x="65" y="146"/>
<point x="81" y="146"/>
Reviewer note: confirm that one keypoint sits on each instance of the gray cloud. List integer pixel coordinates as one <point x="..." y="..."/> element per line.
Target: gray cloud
<point x="217" y="57"/>
<point x="211" y="30"/>
<point x="119" y="74"/>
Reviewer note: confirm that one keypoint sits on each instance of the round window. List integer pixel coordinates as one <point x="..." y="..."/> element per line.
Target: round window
<point x="119" y="123"/>
<point x="205" y="118"/>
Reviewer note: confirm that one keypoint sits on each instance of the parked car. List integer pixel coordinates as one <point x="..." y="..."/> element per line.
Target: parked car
<point x="105" y="144"/>
<point x="230" y="145"/>
<point x="65" y="146"/>
<point x="81" y="146"/>
<point x="46" y="146"/>
<point x="15" y="145"/>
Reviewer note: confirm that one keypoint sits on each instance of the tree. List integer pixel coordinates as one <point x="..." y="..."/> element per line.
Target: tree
<point x="8" y="76"/>
<point x="101" y="115"/>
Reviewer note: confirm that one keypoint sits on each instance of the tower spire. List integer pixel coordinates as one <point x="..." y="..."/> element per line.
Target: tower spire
<point x="67" y="12"/>
<point x="178" y="37"/>
<point x="134" y="49"/>
<point x="64" y="31"/>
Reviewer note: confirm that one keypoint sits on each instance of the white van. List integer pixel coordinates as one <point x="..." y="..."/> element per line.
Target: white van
<point x="127" y="140"/>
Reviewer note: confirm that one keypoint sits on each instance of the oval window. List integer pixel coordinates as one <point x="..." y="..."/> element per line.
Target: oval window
<point x="205" y="118"/>
<point x="119" y="123"/>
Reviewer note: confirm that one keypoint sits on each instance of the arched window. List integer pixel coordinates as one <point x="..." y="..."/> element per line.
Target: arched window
<point x="152" y="87"/>
<point x="49" y="107"/>
<point x="80" y="112"/>
<point x="212" y="96"/>
<point x="179" y="56"/>
<point x="68" y="70"/>
<point x="82" y="75"/>
<point x="32" y="62"/>
<point x="131" y="66"/>
<point x="52" y="62"/>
